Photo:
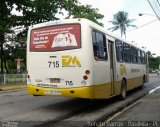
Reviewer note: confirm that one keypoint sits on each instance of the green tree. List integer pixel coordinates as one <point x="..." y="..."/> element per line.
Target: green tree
<point x="16" y="48"/>
<point x="47" y="10"/>
<point x="121" y="22"/>
<point x="7" y="21"/>
<point x="86" y="11"/>
<point x="154" y="62"/>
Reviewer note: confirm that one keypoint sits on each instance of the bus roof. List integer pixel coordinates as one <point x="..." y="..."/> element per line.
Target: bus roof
<point x="80" y="20"/>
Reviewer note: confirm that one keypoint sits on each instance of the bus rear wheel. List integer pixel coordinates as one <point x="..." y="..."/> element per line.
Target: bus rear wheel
<point x="144" y="80"/>
<point x="123" y="90"/>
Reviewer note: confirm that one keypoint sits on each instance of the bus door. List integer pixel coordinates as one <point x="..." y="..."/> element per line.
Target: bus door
<point x="101" y="64"/>
<point x="111" y="60"/>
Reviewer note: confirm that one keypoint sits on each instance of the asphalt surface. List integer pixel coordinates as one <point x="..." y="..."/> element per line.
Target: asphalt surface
<point x="26" y="110"/>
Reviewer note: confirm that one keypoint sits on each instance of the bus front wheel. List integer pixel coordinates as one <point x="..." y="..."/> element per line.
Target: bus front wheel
<point x="123" y="90"/>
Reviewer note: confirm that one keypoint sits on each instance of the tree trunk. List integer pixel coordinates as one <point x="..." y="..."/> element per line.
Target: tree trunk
<point x="125" y="34"/>
<point x="121" y="33"/>
<point x="5" y="63"/>
<point x="1" y="47"/>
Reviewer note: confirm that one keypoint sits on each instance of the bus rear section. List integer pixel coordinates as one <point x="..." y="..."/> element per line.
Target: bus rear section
<point x="57" y="63"/>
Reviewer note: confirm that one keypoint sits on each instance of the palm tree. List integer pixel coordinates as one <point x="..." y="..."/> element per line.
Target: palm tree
<point x="121" y="21"/>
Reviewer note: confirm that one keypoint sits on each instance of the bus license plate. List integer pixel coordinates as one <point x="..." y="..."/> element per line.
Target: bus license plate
<point x="55" y="80"/>
<point x="52" y="92"/>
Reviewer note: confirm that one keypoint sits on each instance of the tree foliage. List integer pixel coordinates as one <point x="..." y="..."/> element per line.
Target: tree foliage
<point x="154" y="62"/>
<point x="121" y="22"/>
<point x="33" y="12"/>
<point x="86" y="11"/>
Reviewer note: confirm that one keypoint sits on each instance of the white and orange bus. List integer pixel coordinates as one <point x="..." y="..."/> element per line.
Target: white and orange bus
<point x="77" y="58"/>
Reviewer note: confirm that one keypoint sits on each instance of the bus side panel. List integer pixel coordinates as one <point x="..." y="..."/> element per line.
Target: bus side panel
<point x="132" y="73"/>
<point x="102" y="79"/>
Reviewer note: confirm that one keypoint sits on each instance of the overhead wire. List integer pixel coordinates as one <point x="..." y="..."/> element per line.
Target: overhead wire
<point x="154" y="9"/>
<point x="158" y="2"/>
<point x="143" y="25"/>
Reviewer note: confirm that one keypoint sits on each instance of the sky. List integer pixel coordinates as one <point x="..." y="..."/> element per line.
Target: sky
<point x="147" y="36"/>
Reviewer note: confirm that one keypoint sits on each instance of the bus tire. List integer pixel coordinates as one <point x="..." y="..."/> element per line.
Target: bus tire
<point x="123" y="93"/>
<point x="144" y="80"/>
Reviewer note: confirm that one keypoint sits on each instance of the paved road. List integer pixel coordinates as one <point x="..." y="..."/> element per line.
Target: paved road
<point x="19" y="106"/>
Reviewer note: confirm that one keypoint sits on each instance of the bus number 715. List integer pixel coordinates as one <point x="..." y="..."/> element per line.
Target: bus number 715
<point x="55" y="64"/>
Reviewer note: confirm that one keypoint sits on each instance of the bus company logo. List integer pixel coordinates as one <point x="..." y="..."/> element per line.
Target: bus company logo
<point x="69" y="61"/>
<point x="123" y="69"/>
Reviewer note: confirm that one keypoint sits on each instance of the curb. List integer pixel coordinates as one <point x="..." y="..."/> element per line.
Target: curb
<point x="120" y="108"/>
<point x="104" y="117"/>
<point x="5" y="88"/>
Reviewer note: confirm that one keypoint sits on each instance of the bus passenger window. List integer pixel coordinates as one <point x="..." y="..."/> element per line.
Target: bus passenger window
<point x="126" y="53"/>
<point x="95" y="49"/>
<point x="119" y="51"/>
<point x="139" y="56"/>
<point x="143" y="57"/>
<point x="99" y="45"/>
<point x="134" y="55"/>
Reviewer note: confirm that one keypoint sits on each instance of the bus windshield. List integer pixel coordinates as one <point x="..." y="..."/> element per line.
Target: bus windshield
<point x="55" y="38"/>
